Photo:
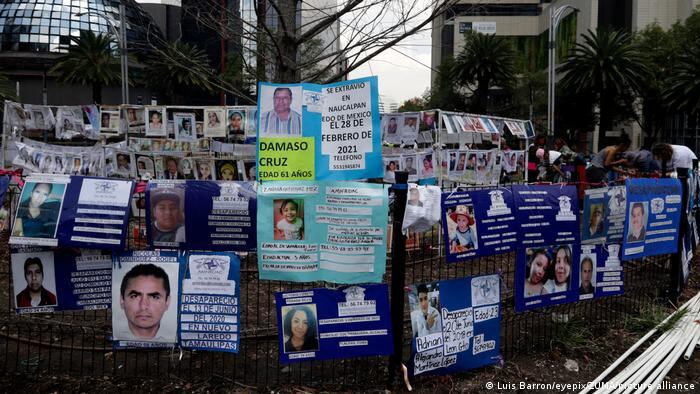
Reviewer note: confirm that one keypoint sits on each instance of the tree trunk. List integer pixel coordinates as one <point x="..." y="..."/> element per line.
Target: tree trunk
<point x="481" y="96"/>
<point x="97" y="93"/>
<point x="606" y="119"/>
<point x="287" y="70"/>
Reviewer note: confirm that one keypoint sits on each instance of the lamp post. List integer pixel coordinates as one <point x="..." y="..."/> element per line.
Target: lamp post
<point x="555" y="16"/>
<point x="120" y="36"/>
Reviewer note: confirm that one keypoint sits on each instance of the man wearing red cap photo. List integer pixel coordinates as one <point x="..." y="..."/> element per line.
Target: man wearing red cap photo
<point x="464" y="237"/>
<point x="168" y="219"/>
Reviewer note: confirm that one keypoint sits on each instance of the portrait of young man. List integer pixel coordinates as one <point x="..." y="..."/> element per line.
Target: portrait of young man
<point x="638" y="221"/>
<point x="147" y="299"/>
<point x="281" y="111"/>
<point x="38" y="274"/>
<point x="167" y="217"/>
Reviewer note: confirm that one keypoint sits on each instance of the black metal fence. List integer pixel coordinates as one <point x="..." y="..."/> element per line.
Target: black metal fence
<point x="78" y="343"/>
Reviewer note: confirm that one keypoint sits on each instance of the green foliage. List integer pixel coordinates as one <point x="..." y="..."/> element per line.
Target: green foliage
<point x="444" y="93"/>
<point x="177" y="67"/>
<point x="683" y="92"/>
<point x="414" y="104"/>
<point x="650" y="315"/>
<point x="90" y="61"/>
<point x="574" y="336"/>
<point x="485" y="60"/>
<point x="236" y="80"/>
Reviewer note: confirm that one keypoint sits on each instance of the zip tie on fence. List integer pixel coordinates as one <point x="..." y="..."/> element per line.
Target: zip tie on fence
<point x="405" y="377"/>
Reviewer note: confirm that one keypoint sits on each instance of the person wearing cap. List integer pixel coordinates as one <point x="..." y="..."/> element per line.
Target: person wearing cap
<point x="167" y="217"/>
<point x="464" y="238"/>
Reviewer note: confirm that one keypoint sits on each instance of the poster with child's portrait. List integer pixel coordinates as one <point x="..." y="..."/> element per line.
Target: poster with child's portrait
<point x="461" y="229"/>
<point x="157" y="120"/>
<point x="289" y="219"/>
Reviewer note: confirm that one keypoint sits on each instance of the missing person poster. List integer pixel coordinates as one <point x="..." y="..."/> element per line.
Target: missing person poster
<point x="455" y="324"/>
<point x="653" y="217"/>
<point x="615" y="212"/>
<point x="145" y="289"/>
<point x="478" y="223"/>
<point x="323" y="324"/>
<point x="209" y="312"/>
<point x="546" y="214"/>
<point x="332" y="231"/>
<point x="600" y="271"/>
<point x="593" y="229"/>
<point x="165" y="213"/>
<point x="34" y="280"/>
<point x="546" y="275"/>
<point x="39" y="210"/>
<point x="95" y="213"/>
<point x="220" y="215"/>
<point x="319" y="132"/>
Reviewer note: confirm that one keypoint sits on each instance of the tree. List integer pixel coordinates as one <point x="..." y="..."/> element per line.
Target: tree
<point x="683" y="92"/>
<point x="444" y="93"/>
<point x="177" y="67"/>
<point x="414" y="105"/>
<point x="486" y="60"/>
<point x="284" y="28"/>
<point x="91" y="61"/>
<point x="608" y="65"/>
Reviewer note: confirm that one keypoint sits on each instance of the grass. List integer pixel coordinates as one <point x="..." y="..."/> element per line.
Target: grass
<point x="574" y="336"/>
<point x="650" y="315"/>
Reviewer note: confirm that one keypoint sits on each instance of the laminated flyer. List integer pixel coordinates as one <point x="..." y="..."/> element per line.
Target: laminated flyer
<point x="600" y="271"/>
<point x="546" y="275"/>
<point x="322" y="324"/>
<point x="319" y="132"/>
<point x="455" y="324"/>
<point x="332" y="231"/>
<point x="546" y="214"/>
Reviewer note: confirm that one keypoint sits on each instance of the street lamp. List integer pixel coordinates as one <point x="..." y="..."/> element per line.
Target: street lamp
<point x="120" y="35"/>
<point x="555" y="16"/>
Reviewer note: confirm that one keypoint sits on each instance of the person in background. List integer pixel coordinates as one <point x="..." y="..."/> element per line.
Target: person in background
<point x="561" y="146"/>
<point x="642" y="162"/>
<point x="605" y="161"/>
<point x="675" y="157"/>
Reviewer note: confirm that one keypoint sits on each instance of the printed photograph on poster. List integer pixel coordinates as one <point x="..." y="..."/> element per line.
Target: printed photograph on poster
<point x="280" y="111"/>
<point x="390" y="129"/>
<point x="167" y="214"/>
<point x="172" y="168"/>
<point x="427" y="166"/>
<point x="409" y="131"/>
<point x="461" y="163"/>
<point x="422" y="208"/>
<point x="214" y="118"/>
<point x="145" y="298"/>
<point x="289" y="219"/>
<point x="251" y="114"/>
<point x="156" y="121"/>
<point x="185" y="127"/>
<point x="186" y="167"/>
<point x="145" y="167"/>
<point x="466" y="123"/>
<point x="300" y="328"/>
<point x="424" y="301"/>
<point x="250" y="170"/>
<point x="39" y="211"/>
<point x="638" y="216"/>
<point x="109" y="121"/>
<point x="549" y="276"/>
<point x="478" y="126"/>
<point x="235" y="130"/>
<point x="199" y="129"/>
<point x="593" y="220"/>
<point x="134" y="118"/>
<point x="429" y="120"/>
<point x="226" y="170"/>
<point x="586" y="288"/>
<point x="34" y="280"/>
<point x="409" y="165"/>
<point x="461" y="229"/>
<point x="204" y="169"/>
<point x="391" y="165"/>
<point x="452" y="161"/>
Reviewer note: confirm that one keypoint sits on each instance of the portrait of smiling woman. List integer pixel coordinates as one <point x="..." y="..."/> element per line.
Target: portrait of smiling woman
<point x="300" y="328"/>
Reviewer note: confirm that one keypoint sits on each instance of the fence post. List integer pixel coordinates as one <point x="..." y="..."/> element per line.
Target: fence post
<point x="398" y="273"/>
<point x="676" y="280"/>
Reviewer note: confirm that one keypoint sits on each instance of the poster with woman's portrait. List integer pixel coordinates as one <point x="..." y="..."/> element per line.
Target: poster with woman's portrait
<point x="288" y="219"/>
<point x="300" y="328"/>
<point x="204" y="169"/>
<point x="547" y="275"/>
<point x="187" y="167"/>
<point x="249" y="170"/>
<point x="185" y="127"/>
<point x="391" y="165"/>
<point x="145" y="167"/>
<point x="110" y="123"/>
<point x="226" y="170"/>
<point x="39" y="210"/>
<point x="427" y="166"/>
<point x="34" y="280"/>
<point x="157" y="120"/>
<point x="214" y="119"/>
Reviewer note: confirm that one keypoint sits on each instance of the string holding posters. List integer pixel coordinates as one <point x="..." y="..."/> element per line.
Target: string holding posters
<point x="324" y="324"/>
<point x="220" y="215"/>
<point x="546" y="214"/>
<point x="455" y="324"/>
<point x="95" y="213"/>
<point x="319" y="132"/>
<point x="600" y="271"/>
<point x="332" y="231"/>
<point x="210" y="308"/>
<point x="39" y="210"/>
<point x="546" y="275"/>
<point x="478" y="223"/>
<point x="653" y="217"/>
<point x="145" y="298"/>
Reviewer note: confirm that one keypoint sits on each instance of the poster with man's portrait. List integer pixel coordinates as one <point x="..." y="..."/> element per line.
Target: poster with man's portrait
<point x="34" y="280"/>
<point x="236" y="125"/>
<point x="185" y="127"/>
<point x="145" y="288"/>
<point x="424" y="302"/>
<point x="166" y="213"/>
<point x="280" y="111"/>
<point x="392" y="126"/>
<point x="110" y="123"/>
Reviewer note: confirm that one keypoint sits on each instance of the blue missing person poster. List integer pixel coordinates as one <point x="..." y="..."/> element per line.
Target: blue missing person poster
<point x="39" y="210"/>
<point x="95" y="213"/>
<point x="456" y="324"/>
<point x="319" y="132"/>
<point x="322" y="324"/>
<point x="165" y="214"/>
<point x="332" y="231"/>
<point x="546" y="275"/>
<point x="546" y="214"/>
<point x="600" y="271"/>
<point x="220" y="215"/>
<point x="615" y="209"/>
<point x="209" y="312"/>
<point x="478" y="223"/>
<point x="145" y="298"/>
<point x="593" y="230"/>
<point x="653" y="217"/>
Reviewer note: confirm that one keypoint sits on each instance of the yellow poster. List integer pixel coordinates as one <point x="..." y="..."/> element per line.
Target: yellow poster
<point x="286" y="159"/>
